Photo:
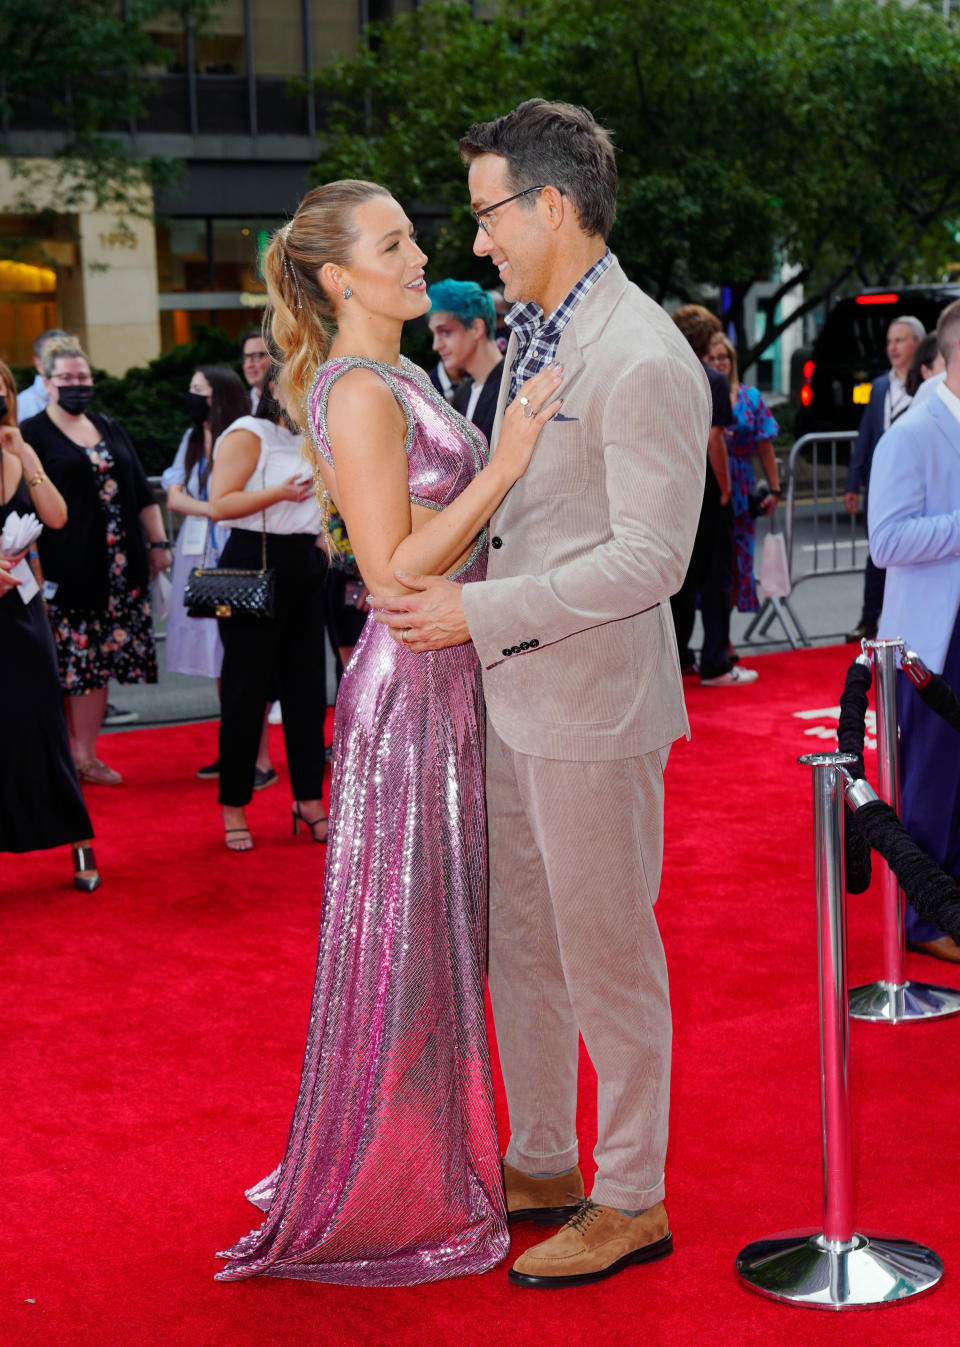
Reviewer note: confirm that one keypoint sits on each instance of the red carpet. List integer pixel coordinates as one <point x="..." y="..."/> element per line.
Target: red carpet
<point x="153" y="1036"/>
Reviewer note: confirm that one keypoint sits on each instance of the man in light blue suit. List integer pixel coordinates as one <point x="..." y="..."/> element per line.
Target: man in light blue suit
<point x="914" y="527"/>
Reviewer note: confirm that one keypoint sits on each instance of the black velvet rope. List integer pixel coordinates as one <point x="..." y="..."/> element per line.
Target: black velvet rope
<point x="928" y="889"/>
<point x="940" y="697"/>
<point x="850" y="732"/>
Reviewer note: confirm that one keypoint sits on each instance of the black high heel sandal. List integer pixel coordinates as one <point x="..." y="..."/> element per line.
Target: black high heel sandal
<point x="312" y="824"/>
<point x="83" y="859"/>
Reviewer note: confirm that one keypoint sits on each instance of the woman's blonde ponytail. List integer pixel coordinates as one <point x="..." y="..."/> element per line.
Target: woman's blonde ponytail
<point x="300" y="320"/>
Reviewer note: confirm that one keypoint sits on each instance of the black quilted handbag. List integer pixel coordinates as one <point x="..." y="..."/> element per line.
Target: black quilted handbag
<point x="217" y="592"/>
<point x="213" y="591"/>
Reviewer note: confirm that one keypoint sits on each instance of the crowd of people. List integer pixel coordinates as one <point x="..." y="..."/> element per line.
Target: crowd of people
<point x="534" y="528"/>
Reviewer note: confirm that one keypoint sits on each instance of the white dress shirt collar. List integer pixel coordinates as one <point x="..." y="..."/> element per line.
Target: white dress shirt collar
<point x="949" y="399"/>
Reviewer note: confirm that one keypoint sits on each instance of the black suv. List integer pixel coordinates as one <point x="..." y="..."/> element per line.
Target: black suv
<point x="851" y="350"/>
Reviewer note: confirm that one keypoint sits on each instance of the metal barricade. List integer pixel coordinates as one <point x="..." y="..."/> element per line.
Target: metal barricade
<point x="815" y="490"/>
<point x="836" y="1267"/>
<point x="156" y="486"/>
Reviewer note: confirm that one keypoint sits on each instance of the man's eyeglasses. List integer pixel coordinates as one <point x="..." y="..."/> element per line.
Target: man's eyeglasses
<point x="252" y="356"/>
<point x="485" y="218"/>
<point x="65" y="380"/>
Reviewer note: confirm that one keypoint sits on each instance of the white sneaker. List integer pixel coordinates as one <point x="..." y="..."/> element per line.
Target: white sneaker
<point x="275" y="716"/>
<point x="735" y="677"/>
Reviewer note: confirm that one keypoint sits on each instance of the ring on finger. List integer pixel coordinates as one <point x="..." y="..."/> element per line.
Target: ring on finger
<point x="404" y="634"/>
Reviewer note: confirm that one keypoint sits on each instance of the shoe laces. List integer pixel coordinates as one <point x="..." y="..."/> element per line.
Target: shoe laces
<point x="585" y="1214"/>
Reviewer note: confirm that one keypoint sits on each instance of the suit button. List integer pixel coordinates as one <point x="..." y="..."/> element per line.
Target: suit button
<point x="524" y="645"/>
<point x="496" y="542"/>
<point x="514" y="650"/>
<point x="507" y="651"/>
<point x="534" y="644"/>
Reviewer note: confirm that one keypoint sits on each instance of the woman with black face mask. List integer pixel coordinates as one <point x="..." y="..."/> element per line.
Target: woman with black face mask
<point x="98" y="567"/>
<point x="216" y="398"/>
<point x="261" y="484"/>
<point x="41" y="804"/>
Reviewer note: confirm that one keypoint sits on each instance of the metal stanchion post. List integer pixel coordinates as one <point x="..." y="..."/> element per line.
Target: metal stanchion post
<point x="893" y="999"/>
<point x="835" y="1268"/>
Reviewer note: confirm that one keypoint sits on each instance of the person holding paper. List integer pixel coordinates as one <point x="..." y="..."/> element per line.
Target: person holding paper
<point x="97" y="568"/>
<point x="41" y="804"/>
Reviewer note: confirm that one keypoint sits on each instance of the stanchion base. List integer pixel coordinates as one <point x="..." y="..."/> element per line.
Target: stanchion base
<point x="898" y="1003"/>
<point x="802" y="1269"/>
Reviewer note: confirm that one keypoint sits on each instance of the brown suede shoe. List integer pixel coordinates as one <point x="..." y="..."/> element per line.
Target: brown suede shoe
<point x="548" y="1201"/>
<point x="945" y="947"/>
<point x="595" y="1243"/>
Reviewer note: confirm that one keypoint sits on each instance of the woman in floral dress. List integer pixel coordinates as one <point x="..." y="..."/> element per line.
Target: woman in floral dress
<point x="752" y="433"/>
<point x="99" y="566"/>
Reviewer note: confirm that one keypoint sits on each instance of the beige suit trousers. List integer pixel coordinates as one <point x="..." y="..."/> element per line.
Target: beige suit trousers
<point x="576" y="850"/>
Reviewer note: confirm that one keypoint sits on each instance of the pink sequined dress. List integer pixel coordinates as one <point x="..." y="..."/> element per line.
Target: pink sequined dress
<point x="392" y="1170"/>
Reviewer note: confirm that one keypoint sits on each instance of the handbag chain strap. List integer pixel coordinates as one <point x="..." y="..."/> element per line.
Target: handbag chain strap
<point x="263" y="534"/>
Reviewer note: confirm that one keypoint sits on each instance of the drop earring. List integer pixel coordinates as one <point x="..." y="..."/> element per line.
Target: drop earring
<point x="348" y="292"/>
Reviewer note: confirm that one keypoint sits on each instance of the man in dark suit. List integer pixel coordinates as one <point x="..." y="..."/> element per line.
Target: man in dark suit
<point x="463" y="321"/>
<point x="889" y="399"/>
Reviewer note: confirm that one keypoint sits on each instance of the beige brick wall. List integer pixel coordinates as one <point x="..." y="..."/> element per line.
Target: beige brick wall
<point x="107" y="283"/>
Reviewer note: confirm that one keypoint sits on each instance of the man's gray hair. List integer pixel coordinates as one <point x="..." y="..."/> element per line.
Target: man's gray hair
<point x="556" y="144"/>
<point x="914" y="324"/>
<point x="62" y="348"/>
<point x="44" y="337"/>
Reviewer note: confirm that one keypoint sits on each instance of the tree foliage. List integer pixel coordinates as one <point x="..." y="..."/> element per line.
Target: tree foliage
<point x="83" y="62"/>
<point x="823" y="135"/>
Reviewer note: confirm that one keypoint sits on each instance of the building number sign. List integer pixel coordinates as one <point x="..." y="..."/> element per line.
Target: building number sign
<point x="120" y="238"/>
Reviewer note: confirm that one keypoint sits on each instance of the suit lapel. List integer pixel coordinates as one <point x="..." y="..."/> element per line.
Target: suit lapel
<point x="585" y="327"/>
<point x="504" y="388"/>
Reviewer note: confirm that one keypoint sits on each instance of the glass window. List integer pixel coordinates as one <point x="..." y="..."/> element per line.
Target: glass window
<point x="278" y="38"/>
<point x="174" y="44"/>
<point x="220" y="43"/>
<point x="182" y="325"/>
<point x="182" y="262"/>
<point x="238" y="246"/>
<point x="335" y="32"/>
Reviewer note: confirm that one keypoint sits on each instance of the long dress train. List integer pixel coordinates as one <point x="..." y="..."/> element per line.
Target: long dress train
<point x="392" y="1169"/>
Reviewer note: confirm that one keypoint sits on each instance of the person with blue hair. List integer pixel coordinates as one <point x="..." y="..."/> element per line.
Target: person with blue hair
<point x="463" y="321"/>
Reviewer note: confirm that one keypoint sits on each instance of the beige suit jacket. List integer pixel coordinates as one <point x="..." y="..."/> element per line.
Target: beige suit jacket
<point x="573" y="623"/>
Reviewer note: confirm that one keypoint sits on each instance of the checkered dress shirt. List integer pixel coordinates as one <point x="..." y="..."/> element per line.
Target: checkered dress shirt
<point x="539" y="337"/>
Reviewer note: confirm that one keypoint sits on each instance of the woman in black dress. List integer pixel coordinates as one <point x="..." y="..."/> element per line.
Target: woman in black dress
<point x="40" y="801"/>
<point x="98" y="567"/>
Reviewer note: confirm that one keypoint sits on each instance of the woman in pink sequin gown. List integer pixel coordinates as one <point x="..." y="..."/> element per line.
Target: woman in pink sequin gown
<point x="392" y="1169"/>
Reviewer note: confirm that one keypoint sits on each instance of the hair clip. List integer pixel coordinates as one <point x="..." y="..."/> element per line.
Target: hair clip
<point x="288" y="268"/>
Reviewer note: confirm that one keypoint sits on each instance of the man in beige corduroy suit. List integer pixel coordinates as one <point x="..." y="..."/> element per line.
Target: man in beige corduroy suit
<point x="582" y="681"/>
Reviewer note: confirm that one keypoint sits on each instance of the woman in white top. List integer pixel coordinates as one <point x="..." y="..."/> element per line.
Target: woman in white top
<point x="216" y="398"/>
<point x="260" y="480"/>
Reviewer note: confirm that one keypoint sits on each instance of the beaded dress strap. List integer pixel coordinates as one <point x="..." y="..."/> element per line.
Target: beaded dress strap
<point x="388" y="373"/>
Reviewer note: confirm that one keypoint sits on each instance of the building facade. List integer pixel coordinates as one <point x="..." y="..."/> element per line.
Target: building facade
<point x="228" y="107"/>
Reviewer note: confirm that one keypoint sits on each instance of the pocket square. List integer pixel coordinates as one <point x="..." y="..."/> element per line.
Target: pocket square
<point x="560" y="417"/>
